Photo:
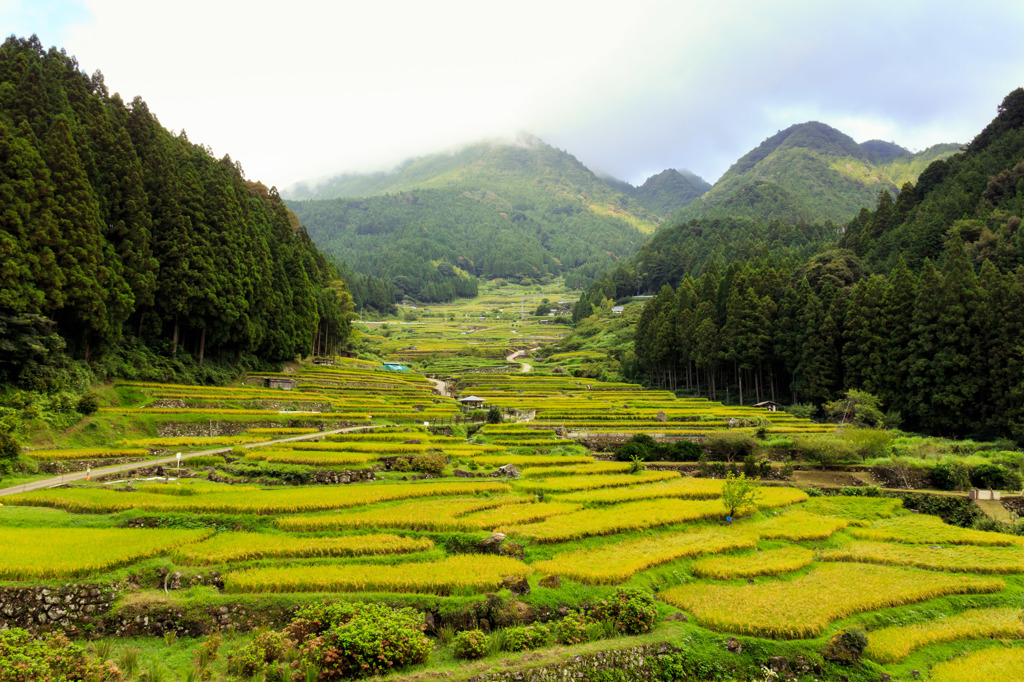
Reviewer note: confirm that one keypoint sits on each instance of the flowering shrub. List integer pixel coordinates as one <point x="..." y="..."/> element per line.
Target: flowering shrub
<point x="572" y="629"/>
<point x="254" y="657"/>
<point x="526" y="637"/>
<point x="53" y="656"/>
<point x="632" y="610"/>
<point x="470" y="644"/>
<point x="357" y="640"/>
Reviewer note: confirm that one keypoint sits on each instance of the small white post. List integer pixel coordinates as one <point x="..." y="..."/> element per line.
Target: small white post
<point x="179" y="460"/>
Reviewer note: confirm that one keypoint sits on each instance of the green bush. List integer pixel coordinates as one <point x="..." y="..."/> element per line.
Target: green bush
<point x="494" y="415"/>
<point x="358" y="639"/>
<point x="52" y="656"/>
<point x="204" y="461"/>
<point x="951" y="476"/>
<point x="777" y="443"/>
<point x="824" y="449"/>
<point x="649" y="450"/>
<point x="429" y="464"/>
<point x="802" y="410"/>
<point x="685" y="451"/>
<point x="846" y="646"/>
<point x="470" y="644"/>
<point x="995" y="477"/>
<point x="256" y="656"/>
<point x="88" y="404"/>
<point x="572" y="629"/>
<point x="636" y="466"/>
<point x="639" y="446"/>
<point x="867" y="443"/>
<point x="525" y="637"/>
<point x="10" y="451"/>
<point x="729" y="446"/>
<point x="632" y="610"/>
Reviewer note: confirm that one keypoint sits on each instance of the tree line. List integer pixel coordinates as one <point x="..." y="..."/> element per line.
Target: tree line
<point x="114" y="231"/>
<point x="917" y="301"/>
<point x="940" y="346"/>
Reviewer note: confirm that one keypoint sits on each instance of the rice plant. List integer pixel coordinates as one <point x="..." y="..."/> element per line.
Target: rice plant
<point x="931" y="530"/>
<point x="893" y="644"/>
<point x="454" y="575"/>
<point x="769" y="562"/>
<point x="993" y="663"/>
<point x="280" y="501"/>
<point x="437" y="515"/>
<point x="231" y="547"/>
<point x="804" y="606"/>
<point x="615" y="563"/>
<point x="88" y="453"/>
<point x="798" y="526"/>
<point x="33" y="553"/>
<point x="955" y="558"/>
<point x="568" y="483"/>
<point x="618" y="518"/>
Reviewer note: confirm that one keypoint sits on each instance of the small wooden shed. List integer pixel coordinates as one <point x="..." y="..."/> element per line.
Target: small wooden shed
<point x="278" y="382"/>
<point x="769" y="405"/>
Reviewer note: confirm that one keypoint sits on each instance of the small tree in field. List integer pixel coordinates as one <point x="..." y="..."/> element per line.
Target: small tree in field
<point x="740" y="491"/>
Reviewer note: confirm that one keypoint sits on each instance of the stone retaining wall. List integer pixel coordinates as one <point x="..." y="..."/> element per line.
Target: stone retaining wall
<point x="233" y="428"/>
<point x="58" y="467"/>
<point x="67" y="607"/>
<point x="638" y="663"/>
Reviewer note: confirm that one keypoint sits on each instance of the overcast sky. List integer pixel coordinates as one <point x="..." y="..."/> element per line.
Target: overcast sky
<point x="297" y="89"/>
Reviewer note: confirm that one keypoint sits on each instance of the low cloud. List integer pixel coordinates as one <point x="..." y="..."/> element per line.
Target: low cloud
<point x="308" y="88"/>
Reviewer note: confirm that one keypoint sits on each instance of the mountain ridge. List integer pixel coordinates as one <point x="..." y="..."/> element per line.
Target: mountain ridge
<point x="520" y="211"/>
<point x="811" y="172"/>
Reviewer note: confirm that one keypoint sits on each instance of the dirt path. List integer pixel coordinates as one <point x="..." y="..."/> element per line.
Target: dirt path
<point x="80" y="475"/>
<point x="440" y="386"/>
<point x="513" y="357"/>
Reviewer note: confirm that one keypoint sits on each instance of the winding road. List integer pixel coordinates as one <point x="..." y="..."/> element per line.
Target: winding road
<point x="105" y="471"/>
<point x="513" y="357"/>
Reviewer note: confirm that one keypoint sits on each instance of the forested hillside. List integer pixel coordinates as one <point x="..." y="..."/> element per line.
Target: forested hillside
<point x="115" y="233"/>
<point x="668" y="191"/>
<point x="811" y="172"/>
<point x="524" y="211"/>
<point x="921" y="303"/>
<point x="978" y="194"/>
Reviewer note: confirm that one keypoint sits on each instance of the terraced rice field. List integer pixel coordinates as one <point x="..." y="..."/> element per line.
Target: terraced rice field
<point x="893" y="644"/>
<point x="799" y="608"/>
<point x="788" y="567"/>
<point x="452" y="575"/>
<point x="615" y="563"/>
<point x="65" y="552"/>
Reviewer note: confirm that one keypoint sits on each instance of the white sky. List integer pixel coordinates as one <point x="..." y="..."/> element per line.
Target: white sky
<point x="304" y="88"/>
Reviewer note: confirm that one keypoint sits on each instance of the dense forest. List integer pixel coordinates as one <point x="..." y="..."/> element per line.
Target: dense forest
<point x="115" y="234"/>
<point x="522" y="211"/>
<point x="921" y="301"/>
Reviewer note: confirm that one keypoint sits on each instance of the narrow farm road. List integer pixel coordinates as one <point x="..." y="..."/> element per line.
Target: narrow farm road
<point x="514" y="357"/>
<point x="105" y="471"/>
<point x="439" y="386"/>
